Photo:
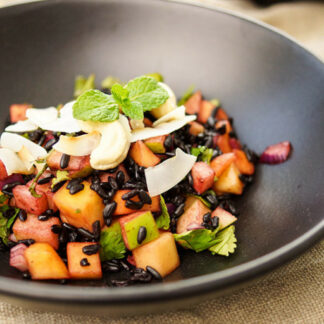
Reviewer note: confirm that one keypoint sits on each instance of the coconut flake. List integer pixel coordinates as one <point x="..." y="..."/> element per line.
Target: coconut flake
<point x="78" y="146"/>
<point x="22" y="126"/>
<point x="15" y="143"/>
<point x="41" y="116"/>
<point x="12" y="162"/>
<point x="162" y="129"/>
<point x="175" y="114"/>
<point x="169" y="173"/>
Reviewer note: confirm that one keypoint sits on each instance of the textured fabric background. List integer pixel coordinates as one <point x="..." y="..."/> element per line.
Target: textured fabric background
<point x="293" y="293"/>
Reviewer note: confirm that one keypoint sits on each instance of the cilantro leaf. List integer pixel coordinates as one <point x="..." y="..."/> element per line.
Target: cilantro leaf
<point x="82" y="84"/>
<point x="197" y="240"/>
<point x="226" y="242"/>
<point x="96" y="106"/>
<point x="111" y="243"/>
<point x="146" y="91"/>
<point x="60" y="176"/>
<point x="163" y="221"/>
<point x="185" y="97"/>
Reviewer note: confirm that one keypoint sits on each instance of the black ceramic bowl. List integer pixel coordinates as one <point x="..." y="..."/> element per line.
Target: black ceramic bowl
<point x="270" y="85"/>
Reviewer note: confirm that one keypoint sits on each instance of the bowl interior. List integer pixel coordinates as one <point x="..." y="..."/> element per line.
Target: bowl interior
<point x="270" y="86"/>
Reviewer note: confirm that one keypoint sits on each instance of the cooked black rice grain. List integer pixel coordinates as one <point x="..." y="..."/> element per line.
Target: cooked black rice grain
<point x="133" y="204"/>
<point x="49" y="145"/>
<point x="251" y="155"/>
<point x="144" y="197"/>
<point x="141" y="277"/>
<point x="57" y="186"/>
<point x="212" y="199"/>
<point x="168" y="143"/>
<point x="96" y="230"/>
<point x="85" y="233"/>
<point x="41" y="141"/>
<point x="50" y="212"/>
<point x="9" y="186"/>
<point x="76" y="188"/>
<point x="211" y="122"/>
<point x="215" y="222"/>
<point x="73" y="182"/>
<point x="232" y="134"/>
<point x="120" y="283"/>
<point x="26" y="275"/>
<point x="156" y="275"/>
<point x="229" y="206"/>
<point x="110" y="267"/>
<point x="124" y="265"/>
<point x="45" y="180"/>
<point x="120" y="178"/>
<point x="109" y="210"/>
<point x="112" y="170"/>
<point x="170" y="154"/>
<point x="73" y="236"/>
<point x="84" y="262"/>
<point x="179" y="210"/>
<point x="95" y="179"/>
<point x="221" y="130"/>
<point x="43" y="218"/>
<point x="214" y="112"/>
<point x="97" y="188"/>
<point x="56" y="229"/>
<point x="63" y="281"/>
<point x="224" y="197"/>
<point x="190" y="179"/>
<point x="130" y="194"/>
<point x="64" y="162"/>
<point x="63" y="238"/>
<point x="27" y="242"/>
<point x="206" y="217"/>
<point x="68" y="227"/>
<point x="141" y="234"/>
<point x="22" y="215"/>
<point x="90" y="249"/>
<point x="246" y="179"/>
<point x="113" y="183"/>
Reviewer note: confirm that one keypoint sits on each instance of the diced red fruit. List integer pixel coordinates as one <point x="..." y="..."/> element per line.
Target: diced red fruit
<point x="121" y="209"/>
<point x="193" y="103"/>
<point x="221" y="114"/>
<point x="196" y="128"/>
<point x="3" y="171"/>
<point x="156" y="144"/>
<point x="17" y="257"/>
<point x="235" y="143"/>
<point x="79" y="166"/>
<point x="18" y="112"/>
<point x="227" y="124"/>
<point x="277" y="153"/>
<point x="12" y="178"/>
<point x="205" y="111"/>
<point x="75" y="255"/>
<point x="106" y="175"/>
<point x="44" y="263"/>
<point x="25" y="200"/>
<point x="223" y="143"/>
<point x="242" y="162"/>
<point x="147" y="122"/>
<point x="40" y="231"/>
<point x="225" y="218"/>
<point x="161" y="254"/>
<point x="203" y="177"/>
<point x="142" y="155"/>
<point x="194" y="212"/>
<point x="220" y="163"/>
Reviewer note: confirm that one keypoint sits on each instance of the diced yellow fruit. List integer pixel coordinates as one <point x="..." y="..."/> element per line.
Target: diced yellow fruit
<point x="160" y="254"/>
<point x="229" y="181"/>
<point x="44" y="263"/>
<point x="81" y="209"/>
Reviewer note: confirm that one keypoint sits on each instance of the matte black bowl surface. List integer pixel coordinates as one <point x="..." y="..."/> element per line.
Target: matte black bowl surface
<point x="270" y="85"/>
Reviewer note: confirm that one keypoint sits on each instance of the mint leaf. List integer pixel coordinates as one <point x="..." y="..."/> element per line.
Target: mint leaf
<point x="82" y="84"/>
<point x="163" y="221"/>
<point x="147" y="92"/>
<point x="109" y="81"/>
<point x="225" y="242"/>
<point x="197" y="240"/>
<point x="111" y="243"/>
<point x="185" y="97"/>
<point x="60" y="176"/>
<point x="96" y="106"/>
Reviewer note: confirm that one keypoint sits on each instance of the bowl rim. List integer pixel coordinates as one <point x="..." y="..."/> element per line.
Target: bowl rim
<point x="183" y="288"/>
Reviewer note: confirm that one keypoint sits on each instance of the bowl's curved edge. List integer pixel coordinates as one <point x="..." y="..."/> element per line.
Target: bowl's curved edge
<point x="170" y="291"/>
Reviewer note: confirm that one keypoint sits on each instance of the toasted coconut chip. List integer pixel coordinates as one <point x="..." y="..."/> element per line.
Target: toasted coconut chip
<point x="12" y="162"/>
<point x="40" y="116"/>
<point x="178" y="113"/>
<point x="21" y="127"/>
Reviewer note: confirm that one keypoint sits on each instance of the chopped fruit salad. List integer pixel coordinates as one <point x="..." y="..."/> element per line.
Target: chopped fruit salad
<point x="120" y="180"/>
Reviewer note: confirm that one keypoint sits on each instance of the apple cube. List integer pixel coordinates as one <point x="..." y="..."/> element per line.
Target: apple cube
<point x="142" y="155"/>
<point x="205" y="111"/>
<point x="203" y="177"/>
<point x="225" y="218"/>
<point x="220" y="163"/>
<point x="193" y="103"/>
<point x="242" y="162"/>
<point x="156" y="144"/>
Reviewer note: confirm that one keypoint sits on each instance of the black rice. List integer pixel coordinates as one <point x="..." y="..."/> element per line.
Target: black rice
<point x="141" y="234"/>
<point x="43" y="218"/>
<point x="22" y="215"/>
<point x="156" y="275"/>
<point x="144" y="197"/>
<point x="96" y="230"/>
<point x="133" y="204"/>
<point x="179" y="210"/>
<point x="76" y="188"/>
<point x="27" y="242"/>
<point x="120" y="178"/>
<point x="45" y="180"/>
<point x="49" y="145"/>
<point x="56" y="229"/>
<point x="84" y="262"/>
<point x="64" y="162"/>
<point x="90" y="249"/>
<point x="85" y="233"/>
<point x="130" y="194"/>
<point x="57" y="186"/>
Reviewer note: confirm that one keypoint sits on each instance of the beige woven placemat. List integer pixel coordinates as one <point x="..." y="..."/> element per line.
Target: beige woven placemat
<point x="292" y="294"/>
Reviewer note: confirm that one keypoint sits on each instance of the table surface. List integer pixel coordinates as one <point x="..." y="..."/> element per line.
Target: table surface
<point x="294" y="293"/>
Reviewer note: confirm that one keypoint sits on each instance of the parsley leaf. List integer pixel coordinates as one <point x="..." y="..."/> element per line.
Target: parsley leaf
<point x="111" y="243"/>
<point x="163" y="221"/>
<point x="226" y="242"/>
<point x="82" y="84"/>
<point x="185" y="97"/>
<point x="60" y="176"/>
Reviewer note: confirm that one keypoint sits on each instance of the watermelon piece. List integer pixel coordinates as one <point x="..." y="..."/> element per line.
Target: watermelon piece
<point x="40" y="231"/>
<point x="75" y="255"/>
<point x="193" y="103"/>
<point x="25" y="200"/>
<point x="235" y="143"/>
<point x="221" y="114"/>
<point x="223" y="143"/>
<point x="18" y="112"/>
<point x="44" y="263"/>
<point x="142" y="155"/>
<point x="203" y="177"/>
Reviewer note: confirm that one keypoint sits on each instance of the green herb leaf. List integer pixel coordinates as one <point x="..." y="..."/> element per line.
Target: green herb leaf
<point x="96" y="106"/>
<point x="12" y="219"/>
<point x="34" y="182"/>
<point x="185" y="97"/>
<point x="197" y="240"/>
<point x="82" y="84"/>
<point x="60" y="176"/>
<point x="111" y="243"/>
<point x="147" y="92"/>
<point x="203" y="153"/>
<point x="163" y="221"/>
<point x="3" y="198"/>
<point x="226" y="242"/>
<point x="157" y="76"/>
<point x="5" y="224"/>
<point x="109" y="81"/>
